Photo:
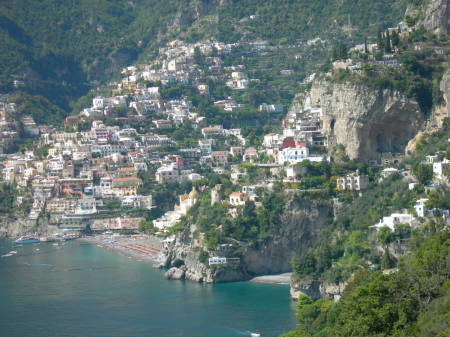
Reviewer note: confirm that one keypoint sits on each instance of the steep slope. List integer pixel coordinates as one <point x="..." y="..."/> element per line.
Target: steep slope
<point x="60" y="49"/>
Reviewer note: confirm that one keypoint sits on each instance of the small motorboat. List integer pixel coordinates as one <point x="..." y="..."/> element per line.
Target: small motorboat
<point x="255" y="334"/>
<point x="13" y="252"/>
<point x="26" y="239"/>
<point x="7" y="255"/>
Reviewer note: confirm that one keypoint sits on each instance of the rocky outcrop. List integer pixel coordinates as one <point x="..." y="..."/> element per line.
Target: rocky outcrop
<point x="445" y="88"/>
<point x="316" y="289"/>
<point x="21" y="225"/>
<point x="175" y="273"/>
<point x="301" y="222"/>
<point x="439" y="113"/>
<point x="433" y="16"/>
<point x="366" y="121"/>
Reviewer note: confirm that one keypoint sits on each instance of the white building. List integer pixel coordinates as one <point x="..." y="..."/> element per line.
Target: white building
<point x="388" y="171"/>
<point x="238" y="199"/>
<point x="293" y="155"/>
<point x="395" y="219"/>
<point x="352" y="182"/>
<point x="420" y="207"/>
<point x="441" y="168"/>
<point x="217" y="260"/>
<point x="98" y="103"/>
<point x="271" y="140"/>
<point x="137" y="201"/>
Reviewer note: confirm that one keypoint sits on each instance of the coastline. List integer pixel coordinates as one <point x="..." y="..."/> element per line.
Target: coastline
<point x="284" y="278"/>
<point x="148" y="249"/>
<point x="139" y="247"/>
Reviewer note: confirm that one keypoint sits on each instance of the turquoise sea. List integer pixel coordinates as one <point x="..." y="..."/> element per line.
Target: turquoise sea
<point x="80" y="290"/>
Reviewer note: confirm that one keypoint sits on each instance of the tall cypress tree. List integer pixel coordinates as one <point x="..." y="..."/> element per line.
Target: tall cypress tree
<point x="380" y="40"/>
<point x="395" y="39"/>
<point x="387" y="43"/>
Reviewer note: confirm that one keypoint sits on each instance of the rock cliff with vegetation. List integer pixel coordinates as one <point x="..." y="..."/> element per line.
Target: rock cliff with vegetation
<point x="433" y="15"/>
<point x="366" y="121"/>
<point x="287" y="234"/>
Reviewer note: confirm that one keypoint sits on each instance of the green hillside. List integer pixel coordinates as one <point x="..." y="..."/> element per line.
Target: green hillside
<point x="414" y="301"/>
<point x="61" y="49"/>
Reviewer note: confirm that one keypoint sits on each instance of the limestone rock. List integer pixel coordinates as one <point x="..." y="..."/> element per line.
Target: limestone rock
<point x="366" y="121"/>
<point x="317" y="289"/>
<point x="300" y="225"/>
<point x="175" y="273"/>
<point x="434" y="16"/>
<point x="445" y="88"/>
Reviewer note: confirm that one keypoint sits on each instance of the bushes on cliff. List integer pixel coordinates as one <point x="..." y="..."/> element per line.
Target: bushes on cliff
<point x="7" y="197"/>
<point x="414" y="301"/>
<point x="345" y="247"/>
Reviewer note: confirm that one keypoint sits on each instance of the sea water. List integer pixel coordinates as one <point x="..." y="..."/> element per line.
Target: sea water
<point x="75" y="289"/>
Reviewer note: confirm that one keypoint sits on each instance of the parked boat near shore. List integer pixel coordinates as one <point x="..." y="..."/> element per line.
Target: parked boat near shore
<point x="26" y="240"/>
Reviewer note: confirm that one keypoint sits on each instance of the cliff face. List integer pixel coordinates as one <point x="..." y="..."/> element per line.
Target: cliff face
<point x="301" y="223"/>
<point x="316" y="289"/>
<point x="445" y="88"/>
<point x="434" y="16"/>
<point x="21" y="225"/>
<point x="366" y="121"/>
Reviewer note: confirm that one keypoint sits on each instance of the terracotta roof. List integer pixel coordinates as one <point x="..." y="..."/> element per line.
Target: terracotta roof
<point x="127" y="169"/>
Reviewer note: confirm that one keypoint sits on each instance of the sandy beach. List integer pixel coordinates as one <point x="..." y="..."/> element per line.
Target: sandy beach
<point x="140" y="247"/>
<point x="273" y="279"/>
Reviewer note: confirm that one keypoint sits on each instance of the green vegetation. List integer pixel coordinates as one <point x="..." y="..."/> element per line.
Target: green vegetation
<point x="7" y="198"/>
<point x="430" y="144"/>
<point x="252" y="225"/>
<point x="60" y="50"/>
<point x="287" y="20"/>
<point x="419" y="73"/>
<point x="346" y="244"/>
<point x="413" y="302"/>
<point x="146" y="227"/>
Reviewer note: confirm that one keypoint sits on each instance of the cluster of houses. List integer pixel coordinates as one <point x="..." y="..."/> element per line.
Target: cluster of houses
<point x="440" y="166"/>
<point x="73" y="176"/>
<point x="8" y="127"/>
<point x="75" y="179"/>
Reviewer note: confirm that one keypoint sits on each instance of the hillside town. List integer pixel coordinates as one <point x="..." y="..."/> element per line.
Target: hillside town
<point x="74" y="177"/>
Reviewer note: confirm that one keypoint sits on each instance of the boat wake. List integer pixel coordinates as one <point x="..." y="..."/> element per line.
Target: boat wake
<point x="37" y="264"/>
<point x="243" y="332"/>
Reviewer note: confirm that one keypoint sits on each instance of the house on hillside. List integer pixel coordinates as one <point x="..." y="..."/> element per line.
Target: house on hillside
<point x="238" y="199"/>
<point x="352" y="182"/>
<point x="395" y="219"/>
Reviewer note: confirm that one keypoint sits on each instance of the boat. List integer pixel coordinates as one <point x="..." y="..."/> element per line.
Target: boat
<point x="7" y="255"/>
<point x="26" y="239"/>
<point x="255" y="334"/>
<point x="67" y="237"/>
<point x="13" y="252"/>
